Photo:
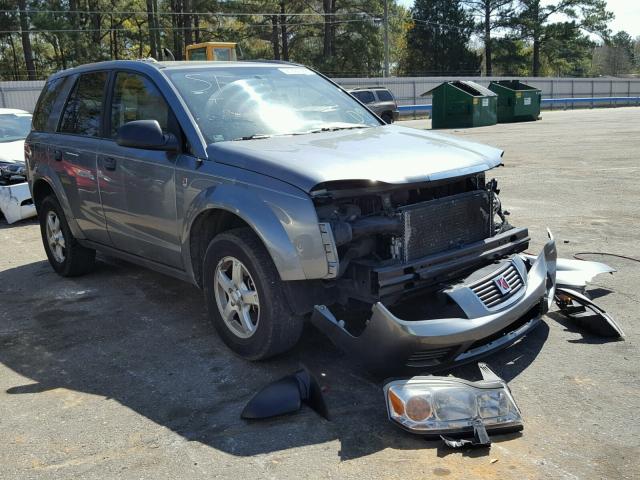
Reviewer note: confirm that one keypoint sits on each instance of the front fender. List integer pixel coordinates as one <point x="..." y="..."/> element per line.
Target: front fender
<point x="287" y="224"/>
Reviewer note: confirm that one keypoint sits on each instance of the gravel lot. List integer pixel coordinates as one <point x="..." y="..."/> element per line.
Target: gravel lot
<point x="119" y="374"/>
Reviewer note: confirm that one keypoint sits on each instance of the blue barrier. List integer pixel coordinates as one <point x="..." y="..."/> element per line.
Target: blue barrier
<point x="545" y="101"/>
<point x="414" y="108"/>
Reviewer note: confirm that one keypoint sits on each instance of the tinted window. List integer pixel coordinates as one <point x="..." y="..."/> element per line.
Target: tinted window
<point x="385" y="95"/>
<point x="83" y="110"/>
<point x="45" y="104"/>
<point x="364" y="96"/>
<point x="136" y="98"/>
<point x="198" y="53"/>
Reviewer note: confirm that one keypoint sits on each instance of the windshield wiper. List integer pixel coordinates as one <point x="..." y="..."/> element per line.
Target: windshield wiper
<point x="335" y="129"/>
<point x="255" y="136"/>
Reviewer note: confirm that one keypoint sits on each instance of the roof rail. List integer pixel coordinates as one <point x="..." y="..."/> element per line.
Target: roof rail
<point x="376" y="87"/>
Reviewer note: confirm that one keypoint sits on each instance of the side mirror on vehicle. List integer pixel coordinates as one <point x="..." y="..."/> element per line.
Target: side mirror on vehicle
<point x="146" y="134"/>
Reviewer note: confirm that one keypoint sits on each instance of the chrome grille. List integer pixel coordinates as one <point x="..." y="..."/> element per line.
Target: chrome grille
<point x="489" y="293"/>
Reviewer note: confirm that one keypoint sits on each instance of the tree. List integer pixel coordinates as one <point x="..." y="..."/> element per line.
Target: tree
<point x="566" y="51"/>
<point x="48" y="35"/>
<point x="26" y="40"/>
<point x="511" y="56"/>
<point x="494" y="14"/>
<point x="534" y="18"/>
<point x="616" y="56"/>
<point x="438" y="40"/>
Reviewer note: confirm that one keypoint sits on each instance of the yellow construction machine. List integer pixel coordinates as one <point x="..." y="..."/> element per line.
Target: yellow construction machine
<point x="216" y="51"/>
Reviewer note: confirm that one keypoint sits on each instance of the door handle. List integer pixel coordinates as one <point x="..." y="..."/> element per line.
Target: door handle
<point x="109" y="163"/>
<point x="57" y="155"/>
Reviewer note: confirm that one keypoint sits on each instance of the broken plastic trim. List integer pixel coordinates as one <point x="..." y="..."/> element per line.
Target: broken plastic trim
<point x="480" y="438"/>
<point x="575" y="274"/>
<point x="286" y="396"/>
<point x="572" y="277"/>
<point x="586" y="314"/>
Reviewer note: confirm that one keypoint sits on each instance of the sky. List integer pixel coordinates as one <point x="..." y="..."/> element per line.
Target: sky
<point x="627" y="15"/>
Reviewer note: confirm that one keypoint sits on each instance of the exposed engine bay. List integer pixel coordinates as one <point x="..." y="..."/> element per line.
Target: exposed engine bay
<point x="392" y="240"/>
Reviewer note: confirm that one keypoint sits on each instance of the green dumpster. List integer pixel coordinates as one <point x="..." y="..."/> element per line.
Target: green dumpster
<point x="462" y="104"/>
<point x="517" y="101"/>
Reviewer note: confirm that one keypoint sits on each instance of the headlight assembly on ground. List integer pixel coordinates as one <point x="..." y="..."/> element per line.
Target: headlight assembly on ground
<point x="433" y="405"/>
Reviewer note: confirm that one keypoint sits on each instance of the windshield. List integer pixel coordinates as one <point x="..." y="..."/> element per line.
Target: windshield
<point x="14" y="126"/>
<point x="241" y="103"/>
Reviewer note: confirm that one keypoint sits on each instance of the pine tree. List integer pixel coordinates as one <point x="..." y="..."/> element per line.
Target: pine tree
<point x="438" y="41"/>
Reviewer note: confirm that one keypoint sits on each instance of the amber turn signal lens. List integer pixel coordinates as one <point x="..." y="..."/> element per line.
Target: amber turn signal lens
<point x="396" y="403"/>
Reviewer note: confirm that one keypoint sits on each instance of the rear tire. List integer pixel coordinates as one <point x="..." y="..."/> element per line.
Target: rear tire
<point x="67" y="257"/>
<point x="245" y="297"/>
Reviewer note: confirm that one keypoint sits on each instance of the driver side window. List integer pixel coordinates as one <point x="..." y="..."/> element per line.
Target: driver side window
<point x="135" y="97"/>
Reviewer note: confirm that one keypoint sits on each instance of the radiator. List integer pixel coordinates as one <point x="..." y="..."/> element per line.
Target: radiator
<point x="445" y="224"/>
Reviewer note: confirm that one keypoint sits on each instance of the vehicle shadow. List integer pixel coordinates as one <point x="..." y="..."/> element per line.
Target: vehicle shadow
<point x="144" y="340"/>
<point x="20" y="223"/>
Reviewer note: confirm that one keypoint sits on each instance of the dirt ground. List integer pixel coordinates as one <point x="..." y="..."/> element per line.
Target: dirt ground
<point x="118" y="374"/>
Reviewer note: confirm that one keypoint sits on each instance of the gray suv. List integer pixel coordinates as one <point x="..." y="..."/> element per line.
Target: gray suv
<point x="284" y="199"/>
<point x="379" y="100"/>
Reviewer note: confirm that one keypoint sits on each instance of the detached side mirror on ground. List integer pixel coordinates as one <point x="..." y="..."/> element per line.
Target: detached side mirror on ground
<point x="146" y="134"/>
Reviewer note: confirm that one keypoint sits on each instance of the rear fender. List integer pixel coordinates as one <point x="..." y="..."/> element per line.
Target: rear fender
<point x="44" y="172"/>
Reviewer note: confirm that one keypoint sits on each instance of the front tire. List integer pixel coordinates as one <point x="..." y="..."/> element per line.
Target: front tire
<point x="245" y="297"/>
<point x="67" y="257"/>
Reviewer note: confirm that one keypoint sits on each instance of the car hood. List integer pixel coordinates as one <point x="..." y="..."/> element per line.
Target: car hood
<point x="12" y="152"/>
<point x="390" y="154"/>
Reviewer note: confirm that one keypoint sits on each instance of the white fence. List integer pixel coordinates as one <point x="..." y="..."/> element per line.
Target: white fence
<point x="20" y="94"/>
<point x="407" y="90"/>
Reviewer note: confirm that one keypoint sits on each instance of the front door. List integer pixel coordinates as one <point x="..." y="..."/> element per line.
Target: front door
<point x="137" y="186"/>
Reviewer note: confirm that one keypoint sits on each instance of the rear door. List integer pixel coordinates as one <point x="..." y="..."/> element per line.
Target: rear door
<point x="137" y="185"/>
<point x="73" y="152"/>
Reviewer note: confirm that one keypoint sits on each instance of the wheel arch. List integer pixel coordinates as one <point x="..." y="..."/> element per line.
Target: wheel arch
<point x="208" y="224"/>
<point x="47" y="182"/>
<point x="40" y="190"/>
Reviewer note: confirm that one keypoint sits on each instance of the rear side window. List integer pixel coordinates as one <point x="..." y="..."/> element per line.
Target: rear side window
<point x="364" y="96"/>
<point x="45" y="104"/>
<point x="385" y="95"/>
<point x="135" y="97"/>
<point x="83" y="111"/>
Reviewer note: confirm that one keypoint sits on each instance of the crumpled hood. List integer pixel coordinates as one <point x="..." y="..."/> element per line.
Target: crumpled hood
<point x="390" y="154"/>
<point x="12" y="152"/>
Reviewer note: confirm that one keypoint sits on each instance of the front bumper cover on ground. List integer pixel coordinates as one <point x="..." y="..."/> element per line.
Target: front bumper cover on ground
<point x="390" y="345"/>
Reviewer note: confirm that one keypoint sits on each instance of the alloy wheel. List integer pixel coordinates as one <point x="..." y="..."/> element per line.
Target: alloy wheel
<point x="55" y="237"/>
<point x="237" y="297"/>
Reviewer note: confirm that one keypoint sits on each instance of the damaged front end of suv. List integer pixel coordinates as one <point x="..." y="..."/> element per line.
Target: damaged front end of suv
<point x="428" y="274"/>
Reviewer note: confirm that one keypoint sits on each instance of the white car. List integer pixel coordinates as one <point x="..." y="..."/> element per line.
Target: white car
<point x="15" y="197"/>
<point x="14" y="128"/>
